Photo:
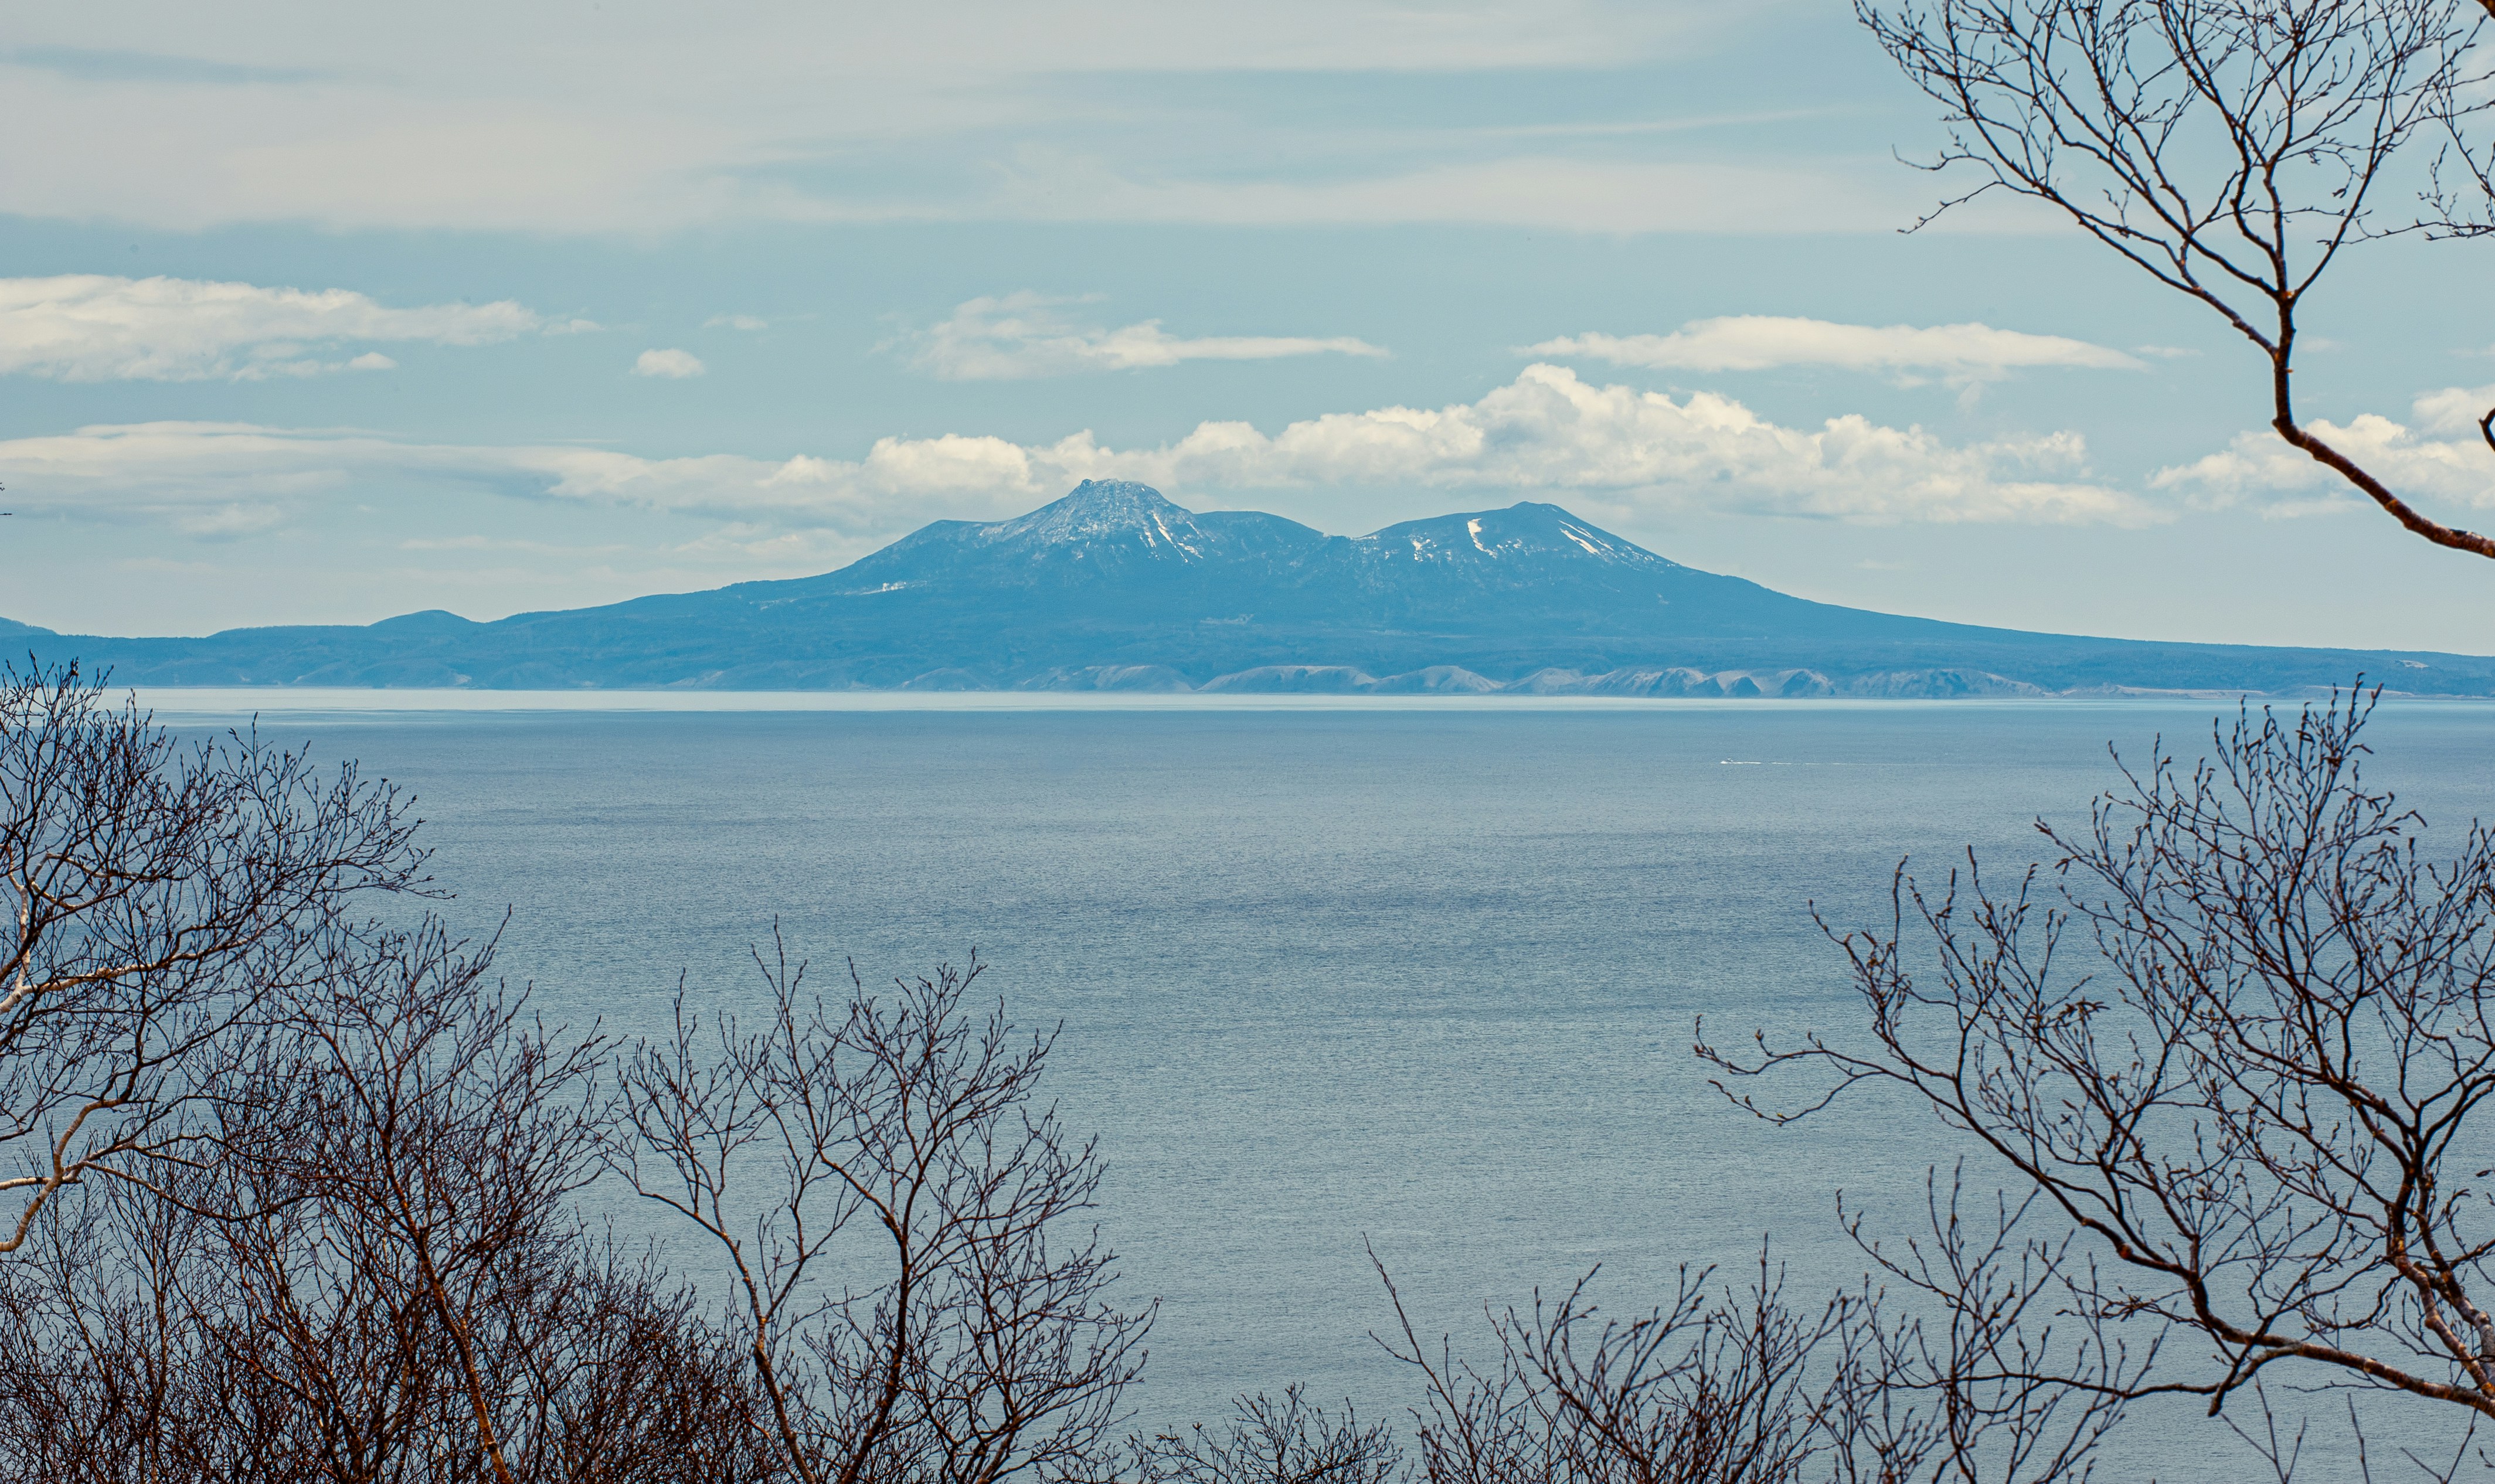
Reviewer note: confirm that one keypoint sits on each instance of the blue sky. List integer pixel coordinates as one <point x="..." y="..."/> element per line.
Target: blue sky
<point x="315" y="314"/>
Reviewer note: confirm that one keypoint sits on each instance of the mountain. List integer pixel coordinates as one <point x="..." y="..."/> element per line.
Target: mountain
<point x="1114" y="587"/>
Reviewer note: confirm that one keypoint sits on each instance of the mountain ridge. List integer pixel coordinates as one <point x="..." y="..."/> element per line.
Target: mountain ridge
<point x="1114" y="587"/>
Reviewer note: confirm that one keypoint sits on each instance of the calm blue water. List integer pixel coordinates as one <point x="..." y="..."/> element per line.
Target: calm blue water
<point x="1420" y="976"/>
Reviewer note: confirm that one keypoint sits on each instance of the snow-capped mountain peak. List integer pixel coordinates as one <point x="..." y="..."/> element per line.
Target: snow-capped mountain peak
<point x="1520" y="532"/>
<point x="1106" y="511"/>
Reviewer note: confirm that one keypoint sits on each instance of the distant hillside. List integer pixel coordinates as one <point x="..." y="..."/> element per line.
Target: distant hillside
<point x="1115" y="587"/>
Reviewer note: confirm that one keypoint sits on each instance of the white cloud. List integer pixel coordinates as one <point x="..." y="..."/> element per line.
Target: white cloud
<point x="1548" y="431"/>
<point x="1546" y="434"/>
<point x="1023" y="335"/>
<point x="675" y="365"/>
<point x="198" y="476"/>
<point x="736" y="322"/>
<point x="91" y="327"/>
<point x="2454" y="408"/>
<point x="1960" y="354"/>
<point x="2261" y="468"/>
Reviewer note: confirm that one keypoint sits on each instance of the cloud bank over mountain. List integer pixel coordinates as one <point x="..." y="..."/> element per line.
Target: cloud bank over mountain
<point x="1546" y="431"/>
<point x="1113" y="586"/>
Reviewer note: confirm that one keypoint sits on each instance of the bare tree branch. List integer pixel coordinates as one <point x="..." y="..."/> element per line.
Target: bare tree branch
<point x="2251" y="1081"/>
<point x="160" y="898"/>
<point x="980" y="1345"/>
<point x="1289" y="1442"/>
<point x="2231" y="149"/>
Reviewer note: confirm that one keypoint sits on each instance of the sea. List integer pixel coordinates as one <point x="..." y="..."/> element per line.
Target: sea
<point x="1340" y="983"/>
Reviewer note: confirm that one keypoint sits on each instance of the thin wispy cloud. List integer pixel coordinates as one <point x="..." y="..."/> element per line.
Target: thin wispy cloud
<point x="1546" y="433"/>
<point x="1024" y="335"/>
<point x="673" y="122"/>
<point x="1958" y="354"/>
<point x="115" y="66"/>
<point x="1541" y="191"/>
<point x="94" y="327"/>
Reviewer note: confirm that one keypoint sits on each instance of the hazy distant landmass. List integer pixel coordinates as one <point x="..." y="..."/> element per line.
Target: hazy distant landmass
<point x="1114" y="587"/>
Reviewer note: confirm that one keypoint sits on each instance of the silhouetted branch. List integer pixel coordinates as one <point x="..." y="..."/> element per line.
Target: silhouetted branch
<point x="161" y="898"/>
<point x="1289" y="1442"/>
<point x="2227" y="150"/>
<point x="2252" y="1082"/>
<point x="898" y="1217"/>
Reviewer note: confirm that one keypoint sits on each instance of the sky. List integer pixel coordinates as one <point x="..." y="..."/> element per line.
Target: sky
<point x="315" y="314"/>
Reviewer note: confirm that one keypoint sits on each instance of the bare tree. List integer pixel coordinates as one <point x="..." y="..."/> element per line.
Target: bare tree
<point x="2231" y="149"/>
<point x="1974" y="1370"/>
<point x="414" y="1147"/>
<point x="629" y="1382"/>
<point x="1709" y="1388"/>
<point x="162" y="897"/>
<point x="128" y="1358"/>
<point x="105" y="1376"/>
<point x="2251" y="1081"/>
<point x="340" y="1237"/>
<point x="380" y="1280"/>
<point x="2460" y="191"/>
<point x="897" y="1216"/>
<point x="1289" y="1442"/>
